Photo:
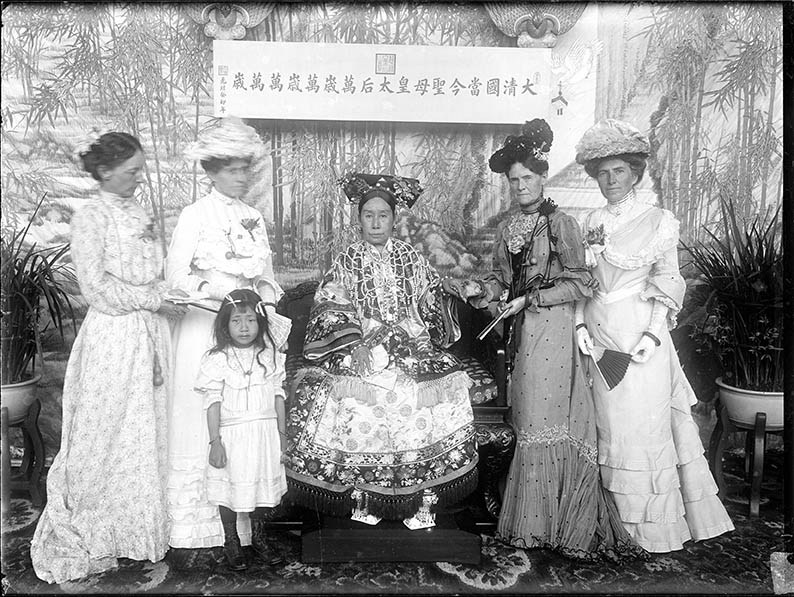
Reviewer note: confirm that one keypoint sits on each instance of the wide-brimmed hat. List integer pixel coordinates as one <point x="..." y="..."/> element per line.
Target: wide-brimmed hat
<point x="404" y="191"/>
<point x="230" y="139"/>
<point x="534" y="141"/>
<point x="611" y="137"/>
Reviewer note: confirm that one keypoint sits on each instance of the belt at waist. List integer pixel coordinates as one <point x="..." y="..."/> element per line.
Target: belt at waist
<point x="619" y="294"/>
<point x="223" y="279"/>
<point x="231" y="420"/>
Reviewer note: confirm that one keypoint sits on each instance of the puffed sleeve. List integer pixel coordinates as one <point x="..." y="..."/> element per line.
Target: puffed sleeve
<point x="333" y="321"/>
<point x="666" y="285"/>
<point x="183" y="247"/>
<point x="280" y="375"/>
<point x="103" y="291"/>
<point x="209" y="381"/>
<point x="498" y="279"/>
<point x="575" y="281"/>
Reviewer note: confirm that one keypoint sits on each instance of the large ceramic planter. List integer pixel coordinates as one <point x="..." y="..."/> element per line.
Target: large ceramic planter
<point x="18" y="397"/>
<point x="742" y="405"/>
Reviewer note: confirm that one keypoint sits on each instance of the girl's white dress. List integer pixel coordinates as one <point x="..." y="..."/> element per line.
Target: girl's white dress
<point x="254" y="475"/>
<point x="223" y="241"/>
<point x="106" y="486"/>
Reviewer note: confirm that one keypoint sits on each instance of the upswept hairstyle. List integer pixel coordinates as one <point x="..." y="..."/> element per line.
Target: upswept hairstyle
<point x="238" y="300"/>
<point x="214" y="165"/>
<point x="636" y="161"/>
<point x="109" y="150"/>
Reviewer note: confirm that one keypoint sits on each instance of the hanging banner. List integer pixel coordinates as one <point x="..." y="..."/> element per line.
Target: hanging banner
<point x="316" y="81"/>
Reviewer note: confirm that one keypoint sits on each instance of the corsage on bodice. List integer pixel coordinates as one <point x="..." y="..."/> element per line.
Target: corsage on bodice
<point x="232" y="238"/>
<point x="526" y="239"/>
<point x="630" y="239"/>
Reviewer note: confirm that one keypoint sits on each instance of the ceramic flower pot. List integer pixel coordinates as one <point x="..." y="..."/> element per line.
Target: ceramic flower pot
<point x="742" y="405"/>
<point x="18" y="397"/>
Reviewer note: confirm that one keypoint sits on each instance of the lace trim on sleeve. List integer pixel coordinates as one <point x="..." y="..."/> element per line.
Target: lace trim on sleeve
<point x="653" y="293"/>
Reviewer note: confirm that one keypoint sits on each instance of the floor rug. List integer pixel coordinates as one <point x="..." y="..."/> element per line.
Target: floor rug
<point x="736" y="563"/>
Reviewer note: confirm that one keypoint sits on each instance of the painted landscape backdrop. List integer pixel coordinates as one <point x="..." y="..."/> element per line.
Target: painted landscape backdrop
<point x="704" y="81"/>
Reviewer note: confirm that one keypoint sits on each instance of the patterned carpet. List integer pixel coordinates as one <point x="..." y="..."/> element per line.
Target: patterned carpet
<point x="738" y="563"/>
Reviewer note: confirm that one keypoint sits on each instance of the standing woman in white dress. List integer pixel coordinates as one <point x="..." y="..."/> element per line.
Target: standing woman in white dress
<point x="219" y="244"/>
<point x="106" y="487"/>
<point x="649" y="448"/>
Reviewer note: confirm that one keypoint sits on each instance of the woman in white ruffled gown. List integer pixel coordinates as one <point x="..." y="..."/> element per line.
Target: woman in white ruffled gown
<point x="649" y="447"/>
<point x="219" y="244"/>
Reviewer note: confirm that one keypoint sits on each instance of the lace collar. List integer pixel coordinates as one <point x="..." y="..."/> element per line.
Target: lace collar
<point x="117" y="199"/>
<point x="618" y="208"/>
<point x="520" y="230"/>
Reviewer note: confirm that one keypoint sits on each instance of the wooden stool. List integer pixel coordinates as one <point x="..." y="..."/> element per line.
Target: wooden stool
<point x="33" y="459"/>
<point x="754" y="448"/>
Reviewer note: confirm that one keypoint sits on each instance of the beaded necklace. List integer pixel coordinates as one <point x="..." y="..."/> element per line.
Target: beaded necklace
<point x="246" y="372"/>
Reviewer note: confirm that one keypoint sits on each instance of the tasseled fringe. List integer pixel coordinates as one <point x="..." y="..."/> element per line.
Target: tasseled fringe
<point x="388" y="507"/>
<point x="332" y="503"/>
<point x="430" y="393"/>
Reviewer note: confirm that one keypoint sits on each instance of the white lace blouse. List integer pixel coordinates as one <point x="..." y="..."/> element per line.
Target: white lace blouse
<point x="219" y="236"/>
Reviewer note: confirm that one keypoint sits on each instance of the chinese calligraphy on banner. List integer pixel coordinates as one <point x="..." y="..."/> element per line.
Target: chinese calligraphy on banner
<point x="316" y="81"/>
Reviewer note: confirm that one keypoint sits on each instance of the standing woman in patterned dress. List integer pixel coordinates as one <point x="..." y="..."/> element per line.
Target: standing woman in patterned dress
<point x="219" y="244"/>
<point x="553" y="498"/>
<point x="106" y="487"/>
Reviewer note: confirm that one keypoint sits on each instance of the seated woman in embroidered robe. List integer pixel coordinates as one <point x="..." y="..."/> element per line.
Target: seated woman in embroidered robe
<point x="380" y="421"/>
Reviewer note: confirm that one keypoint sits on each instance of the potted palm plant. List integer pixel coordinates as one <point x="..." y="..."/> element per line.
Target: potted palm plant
<point x="743" y="316"/>
<point x="35" y="281"/>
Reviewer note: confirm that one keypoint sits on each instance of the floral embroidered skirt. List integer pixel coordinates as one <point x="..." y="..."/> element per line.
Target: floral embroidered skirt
<point x="388" y="435"/>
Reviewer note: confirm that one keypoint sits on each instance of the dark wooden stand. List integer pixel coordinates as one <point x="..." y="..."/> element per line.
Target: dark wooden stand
<point x="33" y="459"/>
<point x="496" y="442"/>
<point x="343" y="540"/>
<point x="754" y="448"/>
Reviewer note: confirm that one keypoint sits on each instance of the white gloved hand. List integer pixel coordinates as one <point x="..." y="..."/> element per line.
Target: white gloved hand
<point x="584" y="340"/>
<point x="644" y="350"/>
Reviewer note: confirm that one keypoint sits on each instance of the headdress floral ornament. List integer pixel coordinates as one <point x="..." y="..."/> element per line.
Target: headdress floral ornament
<point x="534" y="141"/>
<point x="405" y="191"/>
<point x="231" y="138"/>
<point x="83" y="146"/>
<point x="611" y="137"/>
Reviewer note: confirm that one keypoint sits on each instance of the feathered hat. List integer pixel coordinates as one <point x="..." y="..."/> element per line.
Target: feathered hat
<point x="534" y="141"/>
<point x="230" y="139"/>
<point x="611" y="137"/>
<point x="404" y="191"/>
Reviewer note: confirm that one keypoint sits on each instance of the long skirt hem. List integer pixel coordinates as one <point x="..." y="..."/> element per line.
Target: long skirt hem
<point x="554" y="500"/>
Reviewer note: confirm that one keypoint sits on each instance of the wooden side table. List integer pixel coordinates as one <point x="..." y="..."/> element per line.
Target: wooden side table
<point x="754" y="448"/>
<point x="32" y="460"/>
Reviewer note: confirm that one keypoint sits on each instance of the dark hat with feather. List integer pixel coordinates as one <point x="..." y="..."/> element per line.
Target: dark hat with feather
<point x="533" y="143"/>
<point x="404" y="191"/>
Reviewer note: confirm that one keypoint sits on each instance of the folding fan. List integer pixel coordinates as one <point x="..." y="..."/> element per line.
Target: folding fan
<point x="610" y="364"/>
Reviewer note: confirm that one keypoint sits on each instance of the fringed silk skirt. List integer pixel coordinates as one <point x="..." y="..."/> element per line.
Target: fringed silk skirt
<point x="386" y="434"/>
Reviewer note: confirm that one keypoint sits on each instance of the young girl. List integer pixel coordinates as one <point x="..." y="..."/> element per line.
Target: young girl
<point x="240" y="380"/>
